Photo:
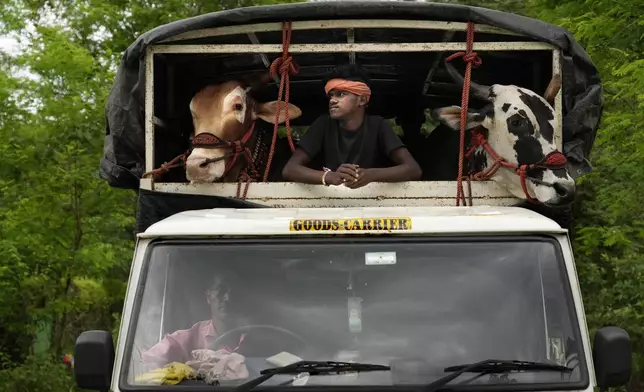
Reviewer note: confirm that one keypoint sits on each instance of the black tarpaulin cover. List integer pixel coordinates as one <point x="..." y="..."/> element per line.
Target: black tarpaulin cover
<point x="124" y="153"/>
<point x="153" y="207"/>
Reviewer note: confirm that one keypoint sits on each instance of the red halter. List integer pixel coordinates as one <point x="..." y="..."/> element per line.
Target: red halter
<point x="554" y="160"/>
<point x="236" y="148"/>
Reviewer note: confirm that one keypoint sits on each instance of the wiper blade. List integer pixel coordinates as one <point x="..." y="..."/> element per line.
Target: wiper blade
<point x="312" y="368"/>
<point x="502" y="366"/>
<point x="492" y="366"/>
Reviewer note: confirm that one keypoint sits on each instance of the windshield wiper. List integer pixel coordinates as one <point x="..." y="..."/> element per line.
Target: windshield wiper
<point x="313" y="368"/>
<point x="492" y="366"/>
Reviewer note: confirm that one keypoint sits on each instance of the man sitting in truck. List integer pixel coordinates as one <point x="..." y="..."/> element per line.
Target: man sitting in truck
<point x="178" y="346"/>
<point x="353" y="148"/>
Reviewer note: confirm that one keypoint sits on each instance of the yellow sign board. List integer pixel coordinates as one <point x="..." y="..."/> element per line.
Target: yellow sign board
<point x="353" y="224"/>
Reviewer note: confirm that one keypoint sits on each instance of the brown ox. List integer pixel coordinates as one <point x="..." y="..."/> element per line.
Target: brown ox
<point x="228" y="112"/>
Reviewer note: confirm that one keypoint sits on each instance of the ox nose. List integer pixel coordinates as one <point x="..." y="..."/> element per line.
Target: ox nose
<point x="204" y="167"/>
<point x="565" y="192"/>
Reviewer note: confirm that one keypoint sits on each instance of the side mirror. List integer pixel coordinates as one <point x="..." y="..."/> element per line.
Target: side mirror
<point x="94" y="360"/>
<point x="612" y="357"/>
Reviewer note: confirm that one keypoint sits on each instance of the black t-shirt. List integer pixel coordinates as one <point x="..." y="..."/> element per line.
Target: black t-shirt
<point x="329" y="145"/>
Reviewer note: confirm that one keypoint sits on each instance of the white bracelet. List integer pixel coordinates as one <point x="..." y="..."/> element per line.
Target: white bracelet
<point x="324" y="177"/>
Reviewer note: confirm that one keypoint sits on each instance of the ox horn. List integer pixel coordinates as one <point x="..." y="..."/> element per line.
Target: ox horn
<point x="553" y="89"/>
<point x="479" y="90"/>
<point x="258" y="81"/>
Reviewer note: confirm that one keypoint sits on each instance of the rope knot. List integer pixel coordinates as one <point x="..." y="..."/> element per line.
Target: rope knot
<point x="478" y="139"/>
<point x="471" y="57"/>
<point x="284" y="65"/>
<point x="236" y="146"/>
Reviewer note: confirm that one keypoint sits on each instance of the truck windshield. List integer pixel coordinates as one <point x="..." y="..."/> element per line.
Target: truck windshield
<point x="219" y="312"/>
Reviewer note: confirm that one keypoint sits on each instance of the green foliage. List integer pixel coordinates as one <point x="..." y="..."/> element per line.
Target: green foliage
<point x="610" y="223"/>
<point x="42" y="374"/>
<point x="609" y="230"/>
<point x="66" y="237"/>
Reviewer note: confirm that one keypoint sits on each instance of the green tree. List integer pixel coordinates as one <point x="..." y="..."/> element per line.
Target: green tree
<point x="66" y="237"/>
<point x="610" y="226"/>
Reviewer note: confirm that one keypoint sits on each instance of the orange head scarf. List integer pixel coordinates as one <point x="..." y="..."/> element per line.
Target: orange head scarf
<point x="357" y="88"/>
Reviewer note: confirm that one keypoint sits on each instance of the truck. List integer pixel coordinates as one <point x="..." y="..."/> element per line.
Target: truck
<point x="436" y="284"/>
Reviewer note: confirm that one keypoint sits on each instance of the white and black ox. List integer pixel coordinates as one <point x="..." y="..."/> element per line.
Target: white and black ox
<point x="227" y="141"/>
<point x="517" y="125"/>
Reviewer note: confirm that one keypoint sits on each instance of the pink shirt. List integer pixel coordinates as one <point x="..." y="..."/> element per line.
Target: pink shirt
<point x="178" y="345"/>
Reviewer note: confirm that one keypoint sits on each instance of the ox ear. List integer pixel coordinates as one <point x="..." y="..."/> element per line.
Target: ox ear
<point x="451" y="116"/>
<point x="267" y="111"/>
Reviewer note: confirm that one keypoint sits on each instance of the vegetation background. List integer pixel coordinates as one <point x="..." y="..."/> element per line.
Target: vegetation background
<point x="66" y="237"/>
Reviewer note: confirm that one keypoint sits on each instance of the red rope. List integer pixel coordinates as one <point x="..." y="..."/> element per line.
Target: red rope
<point x="238" y="147"/>
<point x="178" y="161"/>
<point x="554" y="160"/>
<point x="246" y="179"/>
<point x="471" y="59"/>
<point x="286" y="68"/>
<point x="249" y="172"/>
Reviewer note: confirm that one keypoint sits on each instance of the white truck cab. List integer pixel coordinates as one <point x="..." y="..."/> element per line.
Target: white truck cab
<point x="418" y="291"/>
<point x="388" y="287"/>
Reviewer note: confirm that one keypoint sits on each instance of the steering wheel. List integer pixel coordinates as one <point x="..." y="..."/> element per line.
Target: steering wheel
<point x="261" y="341"/>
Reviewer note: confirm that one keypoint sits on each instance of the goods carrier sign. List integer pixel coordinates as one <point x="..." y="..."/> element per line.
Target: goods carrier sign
<point x="352" y="224"/>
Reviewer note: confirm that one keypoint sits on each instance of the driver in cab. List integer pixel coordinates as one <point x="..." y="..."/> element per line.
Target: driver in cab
<point x="179" y="345"/>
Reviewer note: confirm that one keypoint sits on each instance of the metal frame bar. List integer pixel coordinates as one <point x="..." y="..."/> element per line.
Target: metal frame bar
<point x="253" y="38"/>
<point x="351" y="39"/>
<point x="282" y="194"/>
<point x="342" y="48"/>
<point x="337" y="24"/>
<point x="430" y="74"/>
<point x="149" y="111"/>
<point x="558" y="106"/>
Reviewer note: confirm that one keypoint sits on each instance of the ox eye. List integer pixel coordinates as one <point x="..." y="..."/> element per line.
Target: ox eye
<point x="515" y="122"/>
<point x="239" y="106"/>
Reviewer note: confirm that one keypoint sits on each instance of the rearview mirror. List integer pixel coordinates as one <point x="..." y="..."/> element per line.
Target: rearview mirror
<point x="612" y="357"/>
<point x="93" y="360"/>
